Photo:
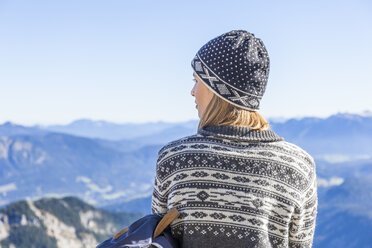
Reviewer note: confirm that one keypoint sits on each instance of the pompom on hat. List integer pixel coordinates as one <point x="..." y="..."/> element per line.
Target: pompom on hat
<point x="235" y="66"/>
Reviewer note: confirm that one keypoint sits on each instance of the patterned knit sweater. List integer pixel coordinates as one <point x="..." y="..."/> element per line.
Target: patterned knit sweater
<point x="237" y="187"/>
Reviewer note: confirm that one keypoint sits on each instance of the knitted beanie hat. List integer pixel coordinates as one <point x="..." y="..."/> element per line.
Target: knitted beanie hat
<point x="235" y="66"/>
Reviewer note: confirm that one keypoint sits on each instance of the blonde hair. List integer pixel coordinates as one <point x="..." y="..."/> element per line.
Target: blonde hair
<point x="220" y="113"/>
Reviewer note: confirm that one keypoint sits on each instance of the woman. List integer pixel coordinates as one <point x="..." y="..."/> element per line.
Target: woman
<point x="236" y="183"/>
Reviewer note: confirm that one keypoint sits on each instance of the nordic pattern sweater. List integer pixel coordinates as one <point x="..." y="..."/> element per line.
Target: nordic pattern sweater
<point x="237" y="187"/>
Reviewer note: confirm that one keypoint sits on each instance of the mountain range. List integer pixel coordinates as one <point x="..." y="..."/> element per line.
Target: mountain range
<point x="106" y="163"/>
<point x="112" y="166"/>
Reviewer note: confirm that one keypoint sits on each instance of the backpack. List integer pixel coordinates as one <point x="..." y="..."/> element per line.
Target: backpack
<point x="150" y="231"/>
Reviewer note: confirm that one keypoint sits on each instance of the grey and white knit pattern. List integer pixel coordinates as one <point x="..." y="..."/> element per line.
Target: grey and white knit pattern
<point x="237" y="187"/>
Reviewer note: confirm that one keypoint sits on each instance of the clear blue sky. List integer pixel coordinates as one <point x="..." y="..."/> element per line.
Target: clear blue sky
<point x="129" y="61"/>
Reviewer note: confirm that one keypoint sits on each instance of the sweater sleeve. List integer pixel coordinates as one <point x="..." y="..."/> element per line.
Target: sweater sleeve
<point x="159" y="197"/>
<point x="302" y="225"/>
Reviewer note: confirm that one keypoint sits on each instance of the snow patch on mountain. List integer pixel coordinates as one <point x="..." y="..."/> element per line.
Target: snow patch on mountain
<point x="341" y="158"/>
<point x="115" y="195"/>
<point x="333" y="181"/>
<point x="4" y="189"/>
<point x="4" y="147"/>
<point x="21" y="146"/>
<point x="92" y="186"/>
<point x="4" y="227"/>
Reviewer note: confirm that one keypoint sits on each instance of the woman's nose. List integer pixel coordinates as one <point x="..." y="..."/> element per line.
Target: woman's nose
<point x="193" y="91"/>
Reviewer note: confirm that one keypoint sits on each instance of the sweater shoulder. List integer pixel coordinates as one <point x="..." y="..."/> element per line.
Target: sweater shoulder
<point x="196" y="140"/>
<point x="300" y="152"/>
<point x="184" y="140"/>
<point x="284" y="150"/>
<point x="175" y="143"/>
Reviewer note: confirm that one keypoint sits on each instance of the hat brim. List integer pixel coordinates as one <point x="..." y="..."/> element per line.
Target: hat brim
<point x="223" y="89"/>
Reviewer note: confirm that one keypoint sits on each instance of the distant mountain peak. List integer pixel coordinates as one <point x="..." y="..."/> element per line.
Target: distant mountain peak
<point x="9" y="124"/>
<point x="353" y="116"/>
<point x="366" y="113"/>
<point x="85" y="121"/>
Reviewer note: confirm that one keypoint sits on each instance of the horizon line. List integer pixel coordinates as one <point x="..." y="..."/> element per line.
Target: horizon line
<point x="365" y="113"/>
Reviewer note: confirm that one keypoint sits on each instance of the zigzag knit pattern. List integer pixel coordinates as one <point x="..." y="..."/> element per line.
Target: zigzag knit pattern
<point x="237" y="187"/>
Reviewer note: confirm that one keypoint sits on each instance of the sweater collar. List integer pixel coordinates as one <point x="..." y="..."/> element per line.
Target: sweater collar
<point x="240" y="133"/>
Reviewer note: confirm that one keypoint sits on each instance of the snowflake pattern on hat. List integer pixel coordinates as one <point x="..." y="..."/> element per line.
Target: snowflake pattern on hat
<point x="235" y="66"/>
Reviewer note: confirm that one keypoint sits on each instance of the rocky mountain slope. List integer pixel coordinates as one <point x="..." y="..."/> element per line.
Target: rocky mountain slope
<point x="58" y="223"/>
